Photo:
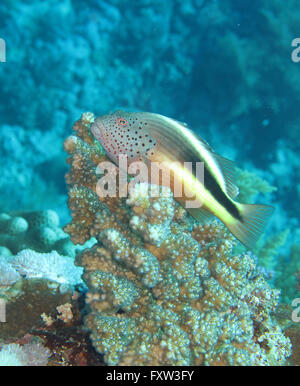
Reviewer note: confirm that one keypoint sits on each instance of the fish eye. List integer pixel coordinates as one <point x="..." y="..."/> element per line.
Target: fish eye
<point x="122" y="121"/>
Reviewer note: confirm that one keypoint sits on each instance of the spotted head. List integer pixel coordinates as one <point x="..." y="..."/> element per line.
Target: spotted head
<point x="124" y="133"/>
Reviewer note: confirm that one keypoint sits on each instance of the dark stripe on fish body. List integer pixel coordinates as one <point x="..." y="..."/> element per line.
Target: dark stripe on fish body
<point x="210" y="182"/>
<point x="214" y="188"/>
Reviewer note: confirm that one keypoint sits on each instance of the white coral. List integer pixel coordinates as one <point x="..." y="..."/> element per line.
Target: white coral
<point x="51" y="266"/>
<point x="31" y="354"/>
<point x="8" y="274"/>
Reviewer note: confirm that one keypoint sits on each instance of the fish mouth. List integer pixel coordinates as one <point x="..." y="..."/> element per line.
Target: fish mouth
<point x="98" y="128"/>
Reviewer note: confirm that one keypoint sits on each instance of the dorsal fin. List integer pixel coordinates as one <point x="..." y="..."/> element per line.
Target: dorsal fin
<point x="164" y="133"/>
<point x="228" y="170"/>
<point x="227" y="167"/>
<point x="182" y="123"/>
<point x="203" y="142"/>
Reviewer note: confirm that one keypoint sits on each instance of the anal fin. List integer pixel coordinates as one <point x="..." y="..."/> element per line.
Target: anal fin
<point x="200" y="214"/>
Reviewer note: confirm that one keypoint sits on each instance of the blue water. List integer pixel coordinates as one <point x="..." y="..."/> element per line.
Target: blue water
<point x="227" y="68"/>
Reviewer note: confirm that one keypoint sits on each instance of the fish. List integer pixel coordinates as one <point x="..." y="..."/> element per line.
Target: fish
<point x="152" y="138"/>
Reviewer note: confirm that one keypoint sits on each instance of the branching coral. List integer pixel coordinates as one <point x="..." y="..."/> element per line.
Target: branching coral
<point x="163" y="290"/>
<point x="250" y="185"/>
<point x="269" y="251"/>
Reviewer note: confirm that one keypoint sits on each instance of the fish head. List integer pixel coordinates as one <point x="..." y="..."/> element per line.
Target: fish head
<point x="124" y="133"/>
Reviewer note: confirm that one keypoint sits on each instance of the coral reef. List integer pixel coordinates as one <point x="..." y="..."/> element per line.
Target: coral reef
<point x="250" y="185"/>
<point x="38" y="278"/>
<point x="30" y="160"/>
<point x="284" y="317"/>
<point x="31" y="354"/>
<point x="269" y="250"/>
<point x="50" y="266"/>
<point x="202" y="62"/>
<point x="287" y="271"/>
<point x="26" y="301"/>
<point x="163" y="290"/>
<point x="34" y="284"/>
<point x="38" y="231"/>
<point x="68" y="342"/>
<point x="60" y="332"/>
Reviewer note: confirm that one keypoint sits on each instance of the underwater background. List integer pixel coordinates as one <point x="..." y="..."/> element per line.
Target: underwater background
<point x="227" y="68"/>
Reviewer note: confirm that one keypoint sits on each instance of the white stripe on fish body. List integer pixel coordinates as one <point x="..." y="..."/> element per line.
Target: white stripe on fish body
<point x="198" y="190"/>
<point x="203" y="151"/>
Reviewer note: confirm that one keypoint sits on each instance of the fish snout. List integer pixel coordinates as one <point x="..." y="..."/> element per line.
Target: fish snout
<point x="98" y="128"/>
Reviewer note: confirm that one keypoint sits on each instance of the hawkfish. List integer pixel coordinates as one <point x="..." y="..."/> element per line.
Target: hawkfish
<point x="154" y="138"/>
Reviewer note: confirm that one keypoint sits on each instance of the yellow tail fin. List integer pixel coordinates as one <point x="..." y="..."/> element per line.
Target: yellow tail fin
<point x="253" y="223"/>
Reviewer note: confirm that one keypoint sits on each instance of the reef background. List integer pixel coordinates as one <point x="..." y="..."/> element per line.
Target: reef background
<point x="224" y="67"/>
